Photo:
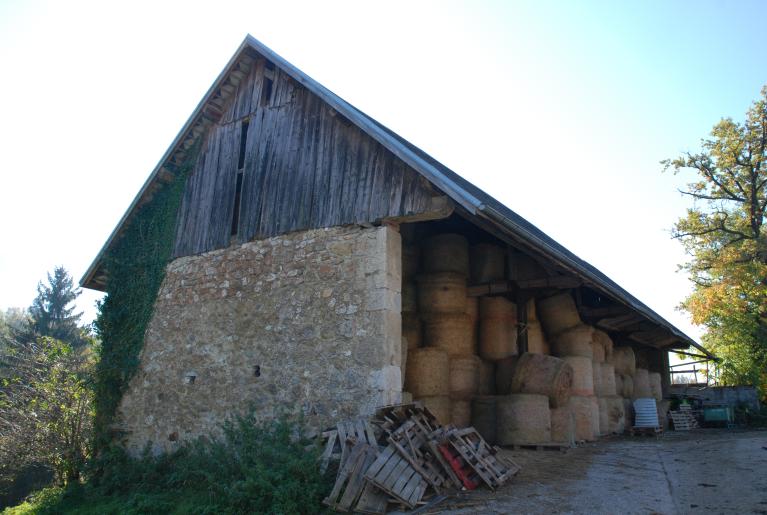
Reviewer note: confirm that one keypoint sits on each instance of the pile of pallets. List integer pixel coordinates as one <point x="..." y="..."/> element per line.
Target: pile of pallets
<point x="403" y="457"/>
<point x="683" y="419"/>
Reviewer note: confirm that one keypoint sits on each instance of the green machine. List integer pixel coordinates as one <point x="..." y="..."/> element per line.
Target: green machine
<point x="721" y="413"/>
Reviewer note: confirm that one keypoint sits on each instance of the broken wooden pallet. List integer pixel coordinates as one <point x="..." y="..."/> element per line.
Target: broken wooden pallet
<point x="393" y="473"/>
<point x="350" y="481"/>
<point x="483" y="458"/>
<point x="346" y="435"/>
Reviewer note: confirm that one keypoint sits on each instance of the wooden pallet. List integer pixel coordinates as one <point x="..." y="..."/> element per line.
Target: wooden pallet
<point x="341" y="440"/>
<point x="412" y="441"/>
<point x="393" y="474"/>
<point x="493" y="469"/>
<point x="683" y="420"/>
<point x="350" y="481"/>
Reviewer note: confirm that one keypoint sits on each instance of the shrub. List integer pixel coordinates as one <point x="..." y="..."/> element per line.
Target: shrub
<point x="254" y="467"/>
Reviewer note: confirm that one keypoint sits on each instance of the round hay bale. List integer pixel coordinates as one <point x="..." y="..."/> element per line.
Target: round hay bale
<point x="472" y="311"/>
<point x="616" y="415"/>
<point x="409" y="297"/>
<point x="656" y="389"/>
<point x="642" y="384"/>
<point x="581" y="409"/>
<point x="583" y="375"/>
<point x="575" y="341"/>
<point x="602" y="338"/>
<point x="543" y="375"/>
<point x="596" y="374"/>
<point x="497" y="328"/>
<point x="624" y="360"/>
<point x="487" y="263"/>
<point x="450" y="332"/>
<point x="628" y="386"/>
<point x="597" y="351"/>
<point x="557" y="314"/>
<point x="441" y="293"/>
<point x="532" y="313"/>
<point x="472" y="308"/>
<point x="411" y="255"/>
<point x="464" y="377"/>
<point x="412" y="330"/>
<point x="562" y="425"/>
<point x="484" y="417"/>
<point x="497" y="307"/>
<point x="504" y="372"/>
<point x="439" y="406"/>
<point x="427" y="373"/>
<point x="607" y="386"/>
<point x="486" y="378"/>
<point x="536" y="342"/>
<point x="460" y="412"/>
<point x="595" y="415"/>
<point x="628" y="410"/>
<point x="604" y="416"/>
<point x="523" y="419"/>
<point x="445" y="253"/>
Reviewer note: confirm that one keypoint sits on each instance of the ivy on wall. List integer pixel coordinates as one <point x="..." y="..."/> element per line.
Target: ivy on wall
<point x="135" y="269"/>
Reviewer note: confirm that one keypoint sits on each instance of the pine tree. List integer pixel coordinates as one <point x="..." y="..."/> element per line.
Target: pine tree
<point x="51" y="314"/>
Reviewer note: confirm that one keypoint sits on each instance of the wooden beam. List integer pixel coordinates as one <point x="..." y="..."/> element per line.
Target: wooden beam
<point x="656" y="337"/>
<point x="479" y="290"/>
<point x="693" y="355"/>
<point x="603" y="312"/>
<point x="618" y="323"/>
<point x="559" y="282"/>
<point x="441" y="207"/>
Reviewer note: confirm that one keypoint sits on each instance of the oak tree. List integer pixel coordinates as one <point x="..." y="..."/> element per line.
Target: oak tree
<point x="724" y="235"/>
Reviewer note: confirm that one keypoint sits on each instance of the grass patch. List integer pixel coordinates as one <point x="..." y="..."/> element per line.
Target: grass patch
<point x="254" y="468"/>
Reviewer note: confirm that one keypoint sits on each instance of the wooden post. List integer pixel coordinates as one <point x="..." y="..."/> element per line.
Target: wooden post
<point x="522" y="297"/>
<point x="665" y="375"/>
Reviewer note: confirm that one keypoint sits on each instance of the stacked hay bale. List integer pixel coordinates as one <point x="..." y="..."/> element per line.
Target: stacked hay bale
<point x="624" y="365"/>
<point x="448" y="325"/>
<point x="572" y="341"/>
<point x="536" y="340"/>
<point x="536" y="410"/>
<point x="412" y="331"/>
<point x="611" y="418"/>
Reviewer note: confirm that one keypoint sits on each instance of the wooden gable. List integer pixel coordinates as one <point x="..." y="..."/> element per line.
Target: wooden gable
<point x="302" y="166"/>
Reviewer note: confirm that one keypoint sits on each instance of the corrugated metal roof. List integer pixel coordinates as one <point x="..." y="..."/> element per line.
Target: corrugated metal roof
<point x="470" y="197"/>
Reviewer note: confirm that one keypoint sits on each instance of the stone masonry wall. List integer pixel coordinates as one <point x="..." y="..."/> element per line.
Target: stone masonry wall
<point x="307" y="322"/>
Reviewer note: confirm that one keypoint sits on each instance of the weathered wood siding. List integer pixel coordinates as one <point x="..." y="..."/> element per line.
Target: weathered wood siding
<point x="305" y="167"/>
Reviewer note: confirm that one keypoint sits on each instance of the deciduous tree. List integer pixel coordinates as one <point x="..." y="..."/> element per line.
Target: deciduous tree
<point x="724" y="235"/>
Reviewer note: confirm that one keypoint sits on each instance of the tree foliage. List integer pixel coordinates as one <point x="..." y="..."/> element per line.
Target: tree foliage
<point x="45" y="408"/>
<point x="51" y="313"/>
<point x="724" y="235"/>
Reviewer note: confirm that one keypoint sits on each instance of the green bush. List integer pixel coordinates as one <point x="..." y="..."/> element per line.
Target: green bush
<point x="254" y="467"/>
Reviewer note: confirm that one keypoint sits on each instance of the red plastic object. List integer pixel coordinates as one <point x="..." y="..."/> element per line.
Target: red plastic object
<point x="455" y="460"/>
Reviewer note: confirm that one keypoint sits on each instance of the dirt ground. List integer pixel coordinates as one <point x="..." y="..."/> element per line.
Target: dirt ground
<point x="702" y="471"/>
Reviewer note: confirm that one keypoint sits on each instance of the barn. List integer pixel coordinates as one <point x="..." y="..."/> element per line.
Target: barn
<point x="322" y="265"/>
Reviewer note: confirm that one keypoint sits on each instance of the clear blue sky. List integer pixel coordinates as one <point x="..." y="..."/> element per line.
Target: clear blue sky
<point x="562" y="110"/>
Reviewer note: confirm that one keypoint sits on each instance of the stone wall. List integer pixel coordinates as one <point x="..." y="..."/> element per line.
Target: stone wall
<point x="307" y="323"/>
